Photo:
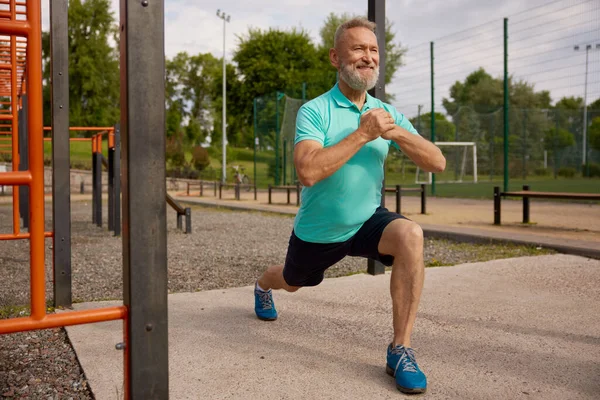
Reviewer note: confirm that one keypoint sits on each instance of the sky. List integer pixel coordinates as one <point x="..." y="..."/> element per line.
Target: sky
<point x="468" y="34"/>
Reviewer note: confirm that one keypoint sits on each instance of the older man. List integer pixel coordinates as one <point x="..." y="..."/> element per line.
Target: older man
<point x="342" y="140"/>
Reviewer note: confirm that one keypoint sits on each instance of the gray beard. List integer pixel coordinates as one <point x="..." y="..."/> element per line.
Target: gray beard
<point x="352" y="77"/>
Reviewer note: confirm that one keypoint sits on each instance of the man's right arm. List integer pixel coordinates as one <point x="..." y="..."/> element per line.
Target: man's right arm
<point x="314" y="162"/>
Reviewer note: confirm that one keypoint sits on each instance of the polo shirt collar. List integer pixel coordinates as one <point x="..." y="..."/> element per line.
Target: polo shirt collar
<point x="344" y="102"/>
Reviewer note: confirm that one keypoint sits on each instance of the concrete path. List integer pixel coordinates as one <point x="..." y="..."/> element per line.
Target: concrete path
<point x="524" y="328"/>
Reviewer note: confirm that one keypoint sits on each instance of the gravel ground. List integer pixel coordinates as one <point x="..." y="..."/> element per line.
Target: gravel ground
<point x="226" y="249"/>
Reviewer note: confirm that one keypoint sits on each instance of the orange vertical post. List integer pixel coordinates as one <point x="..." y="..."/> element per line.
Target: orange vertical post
<point x="15" y="126"/>
<point x="36" y="160"/>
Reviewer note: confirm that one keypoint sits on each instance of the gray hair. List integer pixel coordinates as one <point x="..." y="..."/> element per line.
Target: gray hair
<point x="357" y="22"/>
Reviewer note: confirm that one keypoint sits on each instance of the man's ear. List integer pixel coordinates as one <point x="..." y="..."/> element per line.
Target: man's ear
<point x="333" y="58"/>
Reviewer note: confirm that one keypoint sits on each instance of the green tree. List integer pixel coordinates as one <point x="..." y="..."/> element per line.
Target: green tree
<point x="93" y="65"/>
<point x="267" y="62"/>
<point x="274" y="60"/>
<point x="476" y="107"/>
<point x="444" y="129"/>
<point x="558" y="139"/>
<point x="393" y="50"/>
<point x="189" y="95"/>
<point x="595" y="134"/>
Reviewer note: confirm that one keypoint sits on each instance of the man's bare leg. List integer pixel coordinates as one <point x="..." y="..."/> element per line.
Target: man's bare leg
<point x="272" y="278"/>
<point x="404" y="240"/>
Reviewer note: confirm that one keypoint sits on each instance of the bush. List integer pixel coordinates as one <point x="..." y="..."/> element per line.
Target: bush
<point x="541" y="172"/>
<point x="594" y="170"/>
<point x="184" y="172"/>
<point x="174" y="152"/>
<point x="200" y="158"/>
<point x="567" y="172"/>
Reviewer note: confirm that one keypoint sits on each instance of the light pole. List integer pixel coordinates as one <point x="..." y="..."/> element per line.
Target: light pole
<point x="225" y="19"/>
<point x="588" y="47"/>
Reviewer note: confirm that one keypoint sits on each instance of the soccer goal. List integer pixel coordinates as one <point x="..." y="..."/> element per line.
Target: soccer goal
<point x="461" y="164"/>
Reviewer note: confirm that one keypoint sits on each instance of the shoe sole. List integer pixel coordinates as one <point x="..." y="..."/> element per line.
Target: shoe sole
<point x="267" y="319"/>
<point x="390" y="372"/>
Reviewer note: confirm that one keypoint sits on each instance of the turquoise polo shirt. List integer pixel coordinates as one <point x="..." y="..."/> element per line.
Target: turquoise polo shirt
<point x="335" y="208"/>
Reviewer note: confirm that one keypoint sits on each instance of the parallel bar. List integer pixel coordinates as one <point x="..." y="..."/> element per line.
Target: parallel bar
<point x="36" y="161"/>
<point x="144" y="207"/>
<point x="21" y="236"/>
<point x="376" y="13"/>
<point x="174" y="204"/>
<point x="61" y="181"/>
<point x="15" y="178"/>
<point x="63" y="319"/>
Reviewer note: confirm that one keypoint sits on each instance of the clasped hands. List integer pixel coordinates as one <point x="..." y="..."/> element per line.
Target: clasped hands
<point x="377" y="123"/>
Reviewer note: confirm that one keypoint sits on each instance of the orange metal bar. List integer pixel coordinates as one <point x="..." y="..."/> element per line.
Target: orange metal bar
<point x="16" y="159"/>
<point x="36" y="162"/>
<point x="73" y="139"/>
<point x="16" y="178"/>
<point x="62" y="319"/>
<point x="94" y="144"/>
<point x="111" y="139"/>
<point x="22" y="236"/>
<point x="79" y="128"/>
<point x="19" y="28"/>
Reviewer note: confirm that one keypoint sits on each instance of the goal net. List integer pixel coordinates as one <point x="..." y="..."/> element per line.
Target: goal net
<point x="461" y="164"/>
<point x="288" y="134"/>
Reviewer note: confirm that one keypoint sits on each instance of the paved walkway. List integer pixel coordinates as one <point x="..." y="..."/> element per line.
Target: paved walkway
<point x="523" y="328"/>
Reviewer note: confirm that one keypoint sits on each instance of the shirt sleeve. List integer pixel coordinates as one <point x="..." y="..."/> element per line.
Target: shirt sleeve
<point x="309" y="126"/>
<point x="404" y="123"/>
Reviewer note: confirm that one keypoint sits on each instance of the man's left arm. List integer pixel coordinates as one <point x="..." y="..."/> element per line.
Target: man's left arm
<point x="421" y="151"/>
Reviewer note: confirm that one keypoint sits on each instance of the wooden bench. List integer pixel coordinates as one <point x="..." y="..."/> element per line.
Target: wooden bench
<point x="398" y="189"/>
<point x="181" y="211"/>
<point x="526" y="194"/>
<point x="288" y="188"/>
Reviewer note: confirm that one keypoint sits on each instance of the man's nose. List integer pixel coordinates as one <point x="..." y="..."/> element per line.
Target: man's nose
<point x="370" y="57"/>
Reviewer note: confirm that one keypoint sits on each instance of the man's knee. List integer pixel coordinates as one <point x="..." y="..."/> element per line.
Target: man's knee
<point x="292" y="289"/>
<point x="413" y="233"/>
<point x="402" y="237"/>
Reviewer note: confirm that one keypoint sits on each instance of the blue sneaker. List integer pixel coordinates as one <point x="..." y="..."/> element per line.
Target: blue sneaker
<point x="263" y="305"/>
<point x="401" y="364"/>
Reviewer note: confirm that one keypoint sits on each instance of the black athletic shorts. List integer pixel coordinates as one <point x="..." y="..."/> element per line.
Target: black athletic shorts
<point x="306" y="262"/>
